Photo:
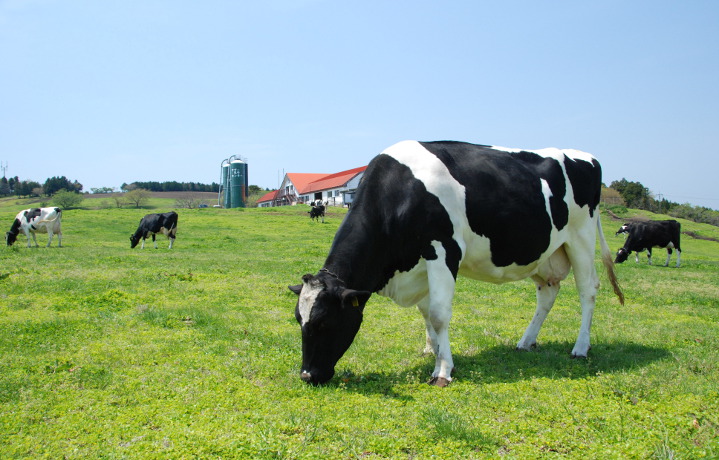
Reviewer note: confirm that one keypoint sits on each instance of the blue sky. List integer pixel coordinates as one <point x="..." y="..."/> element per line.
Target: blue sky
<point x="120" y="91"/>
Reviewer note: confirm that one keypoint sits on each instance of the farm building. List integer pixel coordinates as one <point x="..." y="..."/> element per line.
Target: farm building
<point x="335" y="189"/>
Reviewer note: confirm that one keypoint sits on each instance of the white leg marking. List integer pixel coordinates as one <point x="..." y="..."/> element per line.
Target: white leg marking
<point x="679" y="257"/>
<point x="431" y="336"/>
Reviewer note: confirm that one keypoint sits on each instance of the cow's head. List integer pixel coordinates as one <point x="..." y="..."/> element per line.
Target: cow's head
<point x="623" y="229"/>
<point x="134" y="240"/>
<point x="10" y="238"/>
<point x="330" y="316"/>
<point x="622" y="255"/>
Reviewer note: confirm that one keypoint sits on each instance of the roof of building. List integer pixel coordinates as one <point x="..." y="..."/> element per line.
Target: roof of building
<point x="269" y="196"/>
<point x="334" y="180"/>
<point x="315" y="182"/>
<point x="301" y="181"/>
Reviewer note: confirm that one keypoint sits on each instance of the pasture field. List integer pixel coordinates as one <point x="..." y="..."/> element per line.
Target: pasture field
<point x="108" y="352"/>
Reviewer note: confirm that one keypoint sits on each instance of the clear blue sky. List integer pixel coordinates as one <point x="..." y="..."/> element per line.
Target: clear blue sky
<point x="106" y="92"/>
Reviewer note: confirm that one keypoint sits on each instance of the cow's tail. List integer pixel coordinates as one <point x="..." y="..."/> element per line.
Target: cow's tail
<point x="58" y="215"/>
<point x="608" y="263"/>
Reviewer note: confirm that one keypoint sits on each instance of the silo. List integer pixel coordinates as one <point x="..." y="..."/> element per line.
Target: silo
<point x="238" y="183"/>
<point x="226" y="184"/>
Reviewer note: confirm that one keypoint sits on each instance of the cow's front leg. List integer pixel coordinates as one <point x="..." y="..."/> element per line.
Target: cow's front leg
<point x="649" y="255"/>
<point x="34" y="238"/>
<point x="154" y="241"/>
<point x="441" y="283"/>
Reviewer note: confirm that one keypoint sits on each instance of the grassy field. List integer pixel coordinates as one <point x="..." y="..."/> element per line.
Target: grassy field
<point x="108" y="352"/>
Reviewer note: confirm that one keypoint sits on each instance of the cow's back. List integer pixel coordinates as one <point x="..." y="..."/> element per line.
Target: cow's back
<point x="496" y="212"/>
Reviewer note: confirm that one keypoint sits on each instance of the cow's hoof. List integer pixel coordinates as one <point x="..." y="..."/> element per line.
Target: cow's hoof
<point x="439" y="382"/>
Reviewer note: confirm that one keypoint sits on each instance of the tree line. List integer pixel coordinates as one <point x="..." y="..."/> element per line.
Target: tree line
<point x="637" y="196"/>
<point x="171" y="186"/>
<point x="20" y="188"/>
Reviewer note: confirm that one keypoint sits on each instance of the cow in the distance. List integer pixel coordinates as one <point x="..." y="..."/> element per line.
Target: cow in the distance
<point x="427" y="212"/>
<point x="317" y="211"/>
<point x="645" y="235"/>
<point x="151" y="224"/>
<point x="31" y="221"/>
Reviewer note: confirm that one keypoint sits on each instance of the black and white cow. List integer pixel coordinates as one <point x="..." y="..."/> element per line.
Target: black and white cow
<point x="645" y="235"/>
<point x="317" y="211"/>
<point x="426" y="212"/>
<point x="151" y="224"/>
<point x="30" y="221"/>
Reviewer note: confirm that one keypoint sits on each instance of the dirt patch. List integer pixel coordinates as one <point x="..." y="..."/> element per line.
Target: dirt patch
<point x="700" y="237"/>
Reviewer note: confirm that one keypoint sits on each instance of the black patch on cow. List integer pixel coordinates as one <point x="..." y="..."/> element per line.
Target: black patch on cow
<point x="30" y="214"/>
<point x="586" y="181"/>
<point x="504" y="197"/>
<point x="392" y="223"/>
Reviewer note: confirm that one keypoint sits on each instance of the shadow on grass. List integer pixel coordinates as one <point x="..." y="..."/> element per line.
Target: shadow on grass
<point x="501" y="364"/>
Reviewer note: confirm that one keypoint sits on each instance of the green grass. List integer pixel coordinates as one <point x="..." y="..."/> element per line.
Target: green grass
<point x="108" y="352"/>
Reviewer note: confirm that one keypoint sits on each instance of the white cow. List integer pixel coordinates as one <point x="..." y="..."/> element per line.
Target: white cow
<point x="30" y="221"/>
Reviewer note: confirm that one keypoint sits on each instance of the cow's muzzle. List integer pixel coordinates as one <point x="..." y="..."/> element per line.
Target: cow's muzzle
<point x="315" y="378"/>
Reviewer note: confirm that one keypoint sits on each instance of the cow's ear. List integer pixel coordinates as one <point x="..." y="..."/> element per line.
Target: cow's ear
<point x="354" y="299"/>
<point x="296" y="289"/>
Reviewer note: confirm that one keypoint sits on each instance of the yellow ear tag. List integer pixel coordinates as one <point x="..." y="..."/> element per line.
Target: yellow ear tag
<point x="355" y="302"/>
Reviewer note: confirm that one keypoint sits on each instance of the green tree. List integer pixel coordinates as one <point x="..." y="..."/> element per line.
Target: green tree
<point x="138" y="197"/>
<point x="66" y="199"/>
<point x="634" y="194"/>
<point x="55" y="184"/>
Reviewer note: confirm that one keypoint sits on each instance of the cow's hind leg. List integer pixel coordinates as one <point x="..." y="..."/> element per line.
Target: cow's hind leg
<point x="581" y="256"/>
<point x="431" y="335"/>
<point x="49" y="238"/>
<point x="546" y="294"/>
<point x="441" y="283"/>
<point x="669" y="255"/>
<point x="547" y="279"/>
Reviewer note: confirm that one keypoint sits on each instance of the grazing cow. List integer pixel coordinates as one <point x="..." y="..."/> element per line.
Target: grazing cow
<point x="426" y="212"/>
<point x="30" y="221"/>
<point x="152" y="224"/>
<point x="317" y="211"/>
<point x="646" y="235"/>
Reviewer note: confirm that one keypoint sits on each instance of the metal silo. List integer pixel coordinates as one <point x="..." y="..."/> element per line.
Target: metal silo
<point x="238" y="183"/>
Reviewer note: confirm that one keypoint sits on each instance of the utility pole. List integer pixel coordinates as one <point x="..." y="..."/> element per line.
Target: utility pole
<point x="4" y="168"/>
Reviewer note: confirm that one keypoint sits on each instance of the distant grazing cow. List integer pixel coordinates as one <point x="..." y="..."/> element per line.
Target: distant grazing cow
<point x="645" y="235"/>
<point x="152" y="224"/>
<point x="317" y="211"/>
<point x="426" y="212"/>
<point x="30" y="221"/>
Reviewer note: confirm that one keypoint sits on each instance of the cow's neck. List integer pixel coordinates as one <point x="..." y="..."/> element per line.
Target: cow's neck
<point x="358" y="257"/>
